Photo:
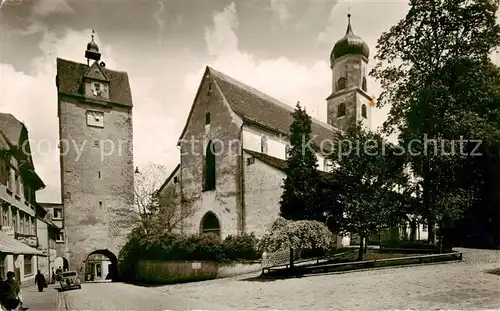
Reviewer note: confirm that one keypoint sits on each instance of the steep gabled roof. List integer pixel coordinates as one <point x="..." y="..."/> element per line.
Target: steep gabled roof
<point x="70" y="76"/>
<point x="11" y="127"/>
<point x="256" y="107"/>
<point x="95" y="72"/>
<point x="278" y="163"/>
<point x="169" y="178"/>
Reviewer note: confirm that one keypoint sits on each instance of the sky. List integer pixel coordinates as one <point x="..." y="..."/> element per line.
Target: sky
<point x="280" y="47"/>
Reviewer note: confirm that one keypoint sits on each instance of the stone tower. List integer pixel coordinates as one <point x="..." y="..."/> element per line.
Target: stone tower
<point x="97" y="170"/>
<point x="349" y="102"/>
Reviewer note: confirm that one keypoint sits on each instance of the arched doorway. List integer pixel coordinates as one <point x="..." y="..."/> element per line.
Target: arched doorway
<point x="60" y="262"/>
<point x="101" y="265"/>
<point x="210" y="224"/>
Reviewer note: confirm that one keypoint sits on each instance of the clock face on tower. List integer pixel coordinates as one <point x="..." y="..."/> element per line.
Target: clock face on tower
<point x="95" y="118"/>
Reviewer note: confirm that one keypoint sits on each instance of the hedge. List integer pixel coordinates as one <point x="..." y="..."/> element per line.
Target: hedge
<point x="174" y="247"/>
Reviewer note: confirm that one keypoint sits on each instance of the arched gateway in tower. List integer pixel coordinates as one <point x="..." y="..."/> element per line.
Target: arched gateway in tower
<point x="97" y="170"/>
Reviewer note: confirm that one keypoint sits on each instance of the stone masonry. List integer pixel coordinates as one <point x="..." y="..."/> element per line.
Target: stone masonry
<point x="225" y="129"/>
<point x="96" y="162"/>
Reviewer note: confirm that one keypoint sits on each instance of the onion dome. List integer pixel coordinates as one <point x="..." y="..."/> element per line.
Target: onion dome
<point x="92" y="46"/>
<point x="350" y="44"/>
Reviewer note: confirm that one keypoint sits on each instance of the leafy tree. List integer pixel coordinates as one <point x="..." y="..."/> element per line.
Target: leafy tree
<point x="436" y="75"/>
<point x="292" y="235"/>
<point x="299" y="198"/>
<point x="372" y="178"/>
<point x="168" y="211"/>
<point x="146" y="182"/>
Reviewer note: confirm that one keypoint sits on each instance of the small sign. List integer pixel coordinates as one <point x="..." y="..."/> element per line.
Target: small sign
<point x="196" y="265"/>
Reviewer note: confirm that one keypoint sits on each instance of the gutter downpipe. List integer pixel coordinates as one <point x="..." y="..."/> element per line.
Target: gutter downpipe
<point x="242" y="181"/>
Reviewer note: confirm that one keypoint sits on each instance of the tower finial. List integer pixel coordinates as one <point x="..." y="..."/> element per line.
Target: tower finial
<point x="349" y="27"/>
<point x="93" y="32"/>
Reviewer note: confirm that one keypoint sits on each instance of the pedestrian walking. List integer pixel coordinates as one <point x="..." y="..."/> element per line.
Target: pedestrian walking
<point x="53" y="280"/>
<point x="40" y="281"/>
<point x="12" y="298"/>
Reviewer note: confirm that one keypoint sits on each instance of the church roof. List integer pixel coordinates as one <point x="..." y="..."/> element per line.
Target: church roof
<point x="277" y="163"/>
<point x="70" y="77"/>
<point x="256" y="107"/>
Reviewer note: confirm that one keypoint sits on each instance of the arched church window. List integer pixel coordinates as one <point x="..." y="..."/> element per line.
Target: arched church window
<point x="363" y="111"/>
<point x="341" y="110"/>
<point x="207" y="118"/>
<point x="341" y="84"/>
<point x="210" y="224"/>
<point x="209" y="170"/>
<point x="363" y="85"/>
<point x="263" y="144"/>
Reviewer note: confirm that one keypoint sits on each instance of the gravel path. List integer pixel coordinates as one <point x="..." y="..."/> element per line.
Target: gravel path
<point x="461" y="285"/>
<point x="120" y="296"/>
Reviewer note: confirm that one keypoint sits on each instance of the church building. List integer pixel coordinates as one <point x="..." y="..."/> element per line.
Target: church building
<point x="234" y="143"/>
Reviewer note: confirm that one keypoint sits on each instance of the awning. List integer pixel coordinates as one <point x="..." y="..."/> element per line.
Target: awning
<point x="10" y="245"/>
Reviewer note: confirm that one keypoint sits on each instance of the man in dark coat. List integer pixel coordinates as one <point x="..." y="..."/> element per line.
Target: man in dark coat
<point x="40" y="281"/>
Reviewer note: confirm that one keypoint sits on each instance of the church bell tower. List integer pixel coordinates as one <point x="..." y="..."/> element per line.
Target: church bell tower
<point x="349" y="102"/>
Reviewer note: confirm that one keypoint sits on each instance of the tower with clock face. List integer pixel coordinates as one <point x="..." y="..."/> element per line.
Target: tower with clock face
<point x="96" y="160"/>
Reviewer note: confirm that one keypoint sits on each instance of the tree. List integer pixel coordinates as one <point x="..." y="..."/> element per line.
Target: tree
<point x="436" y="75"/>
<point x="371" y="177"/>
<point x="302" y="234"/>
<point x="169" y="210"/>
<point x="146" y="182"/>
<point x="299" y="198"/>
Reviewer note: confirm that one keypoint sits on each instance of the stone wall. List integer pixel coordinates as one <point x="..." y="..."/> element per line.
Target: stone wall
<point x="262" y="196"/>
<point x="225" y="129"/>
<point x="163" y="272"/>
<point x="97" y="178"/>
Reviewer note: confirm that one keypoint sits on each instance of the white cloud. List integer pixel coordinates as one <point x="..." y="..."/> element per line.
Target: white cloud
<point x="159" y="21"/>
<point x="282" y="10"/>
<point x="222" y="39"/>
<point x="32" y="98"/>
<point x="281" y="78"/>
<point x="48" y="7"/>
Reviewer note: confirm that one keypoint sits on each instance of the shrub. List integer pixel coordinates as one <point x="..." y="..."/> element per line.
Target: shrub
<point x="241" y="247"/>
<point x="174" y="247"/>
<point x="302" y="234"/>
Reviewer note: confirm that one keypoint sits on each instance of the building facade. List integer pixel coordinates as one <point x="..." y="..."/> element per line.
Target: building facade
<point x="96" y="159"/>
<point x="18" y="185"/>
<point x="48" y="234"/>
<point x="234" y="144"/>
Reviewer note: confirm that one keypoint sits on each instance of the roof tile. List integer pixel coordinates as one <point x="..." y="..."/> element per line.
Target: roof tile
<point x="70" y="76"/>
<point x="254" y="106"/>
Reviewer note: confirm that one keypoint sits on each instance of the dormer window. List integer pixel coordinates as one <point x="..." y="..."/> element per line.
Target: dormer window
<point x="97" y="89"/>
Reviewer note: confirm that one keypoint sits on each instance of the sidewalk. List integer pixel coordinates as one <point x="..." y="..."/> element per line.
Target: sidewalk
<point x="36" y="301"/>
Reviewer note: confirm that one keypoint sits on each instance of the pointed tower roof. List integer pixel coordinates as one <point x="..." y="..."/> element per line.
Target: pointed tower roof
<point x="349" y="44"/>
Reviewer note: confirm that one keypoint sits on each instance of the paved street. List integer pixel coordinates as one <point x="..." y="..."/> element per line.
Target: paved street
<point x="461" y="286"/>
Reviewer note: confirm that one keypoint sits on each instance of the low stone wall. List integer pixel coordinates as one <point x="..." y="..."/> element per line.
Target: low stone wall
<point x="164" y="272"/>
<point x="230" y="270"/>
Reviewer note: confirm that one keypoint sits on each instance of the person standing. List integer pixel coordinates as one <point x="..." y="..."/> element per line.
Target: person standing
<point x="40" y="281"/>
<point x="53" y="276"/>
<point x="12" y="290"/>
